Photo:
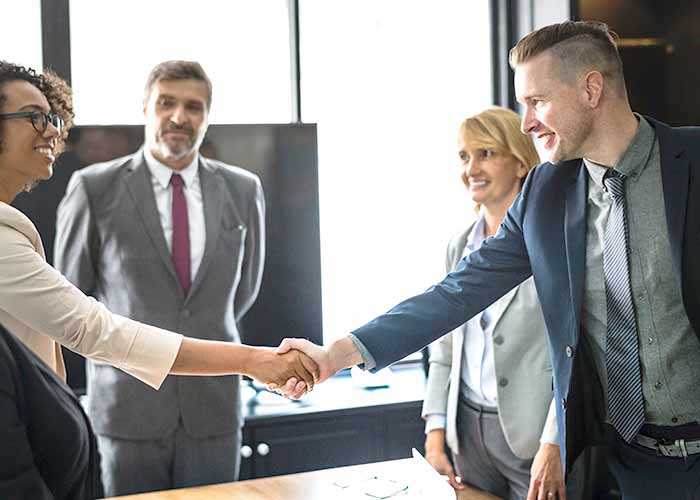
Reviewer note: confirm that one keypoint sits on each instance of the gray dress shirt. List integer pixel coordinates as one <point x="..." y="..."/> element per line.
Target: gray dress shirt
<point x="669" y="350"/>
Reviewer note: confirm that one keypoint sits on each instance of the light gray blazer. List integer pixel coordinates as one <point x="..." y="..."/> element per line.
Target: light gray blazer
<point x="522" y="363"/>
<point x="110" y="243"/>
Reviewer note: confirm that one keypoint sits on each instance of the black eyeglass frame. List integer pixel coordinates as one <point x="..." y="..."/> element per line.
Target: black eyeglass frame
<point x="40" y="120"/>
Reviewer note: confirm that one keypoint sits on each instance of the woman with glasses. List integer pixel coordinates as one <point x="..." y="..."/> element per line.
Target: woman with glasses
<point x="46" y="447"/>
<point x="489" y="389"/>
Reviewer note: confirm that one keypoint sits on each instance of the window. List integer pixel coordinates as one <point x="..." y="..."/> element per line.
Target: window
<point x="388" y="84"/>
<point x="20" y="36"/>
<point x="243" y="46"/>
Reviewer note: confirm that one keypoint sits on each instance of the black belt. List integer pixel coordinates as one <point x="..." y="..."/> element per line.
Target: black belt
<point x="476" y="406"/>
<point x="675" y="448"/>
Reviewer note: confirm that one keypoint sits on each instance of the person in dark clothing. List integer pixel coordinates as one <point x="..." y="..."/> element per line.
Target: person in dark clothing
<point x="48" y="448"/>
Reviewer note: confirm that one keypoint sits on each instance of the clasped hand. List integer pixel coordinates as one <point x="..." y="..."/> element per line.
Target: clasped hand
<point x="293" y="368"/>
<point x="295" y="387"/>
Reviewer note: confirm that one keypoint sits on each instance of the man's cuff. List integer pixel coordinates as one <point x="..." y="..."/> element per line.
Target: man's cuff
<point x="368" y="361"/>
<point x="550" y="432"/>
<point x="435" y="421"/>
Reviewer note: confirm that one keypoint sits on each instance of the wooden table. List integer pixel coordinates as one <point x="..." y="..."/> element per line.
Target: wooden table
<point x="317" y="485"/>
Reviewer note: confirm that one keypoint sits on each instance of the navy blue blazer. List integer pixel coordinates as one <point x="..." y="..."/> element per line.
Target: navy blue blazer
<point x="544" y="235"/>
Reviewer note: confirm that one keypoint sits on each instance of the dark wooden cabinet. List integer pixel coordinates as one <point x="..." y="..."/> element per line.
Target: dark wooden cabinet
<point x="337" y="425"/>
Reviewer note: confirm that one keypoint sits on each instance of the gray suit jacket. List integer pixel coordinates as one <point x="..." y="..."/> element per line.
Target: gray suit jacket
<point x="110" y="243"/>
<point x="522" y="364"/>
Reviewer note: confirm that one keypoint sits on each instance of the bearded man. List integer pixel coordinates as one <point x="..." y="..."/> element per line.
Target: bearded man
<point x="168" y="237"/>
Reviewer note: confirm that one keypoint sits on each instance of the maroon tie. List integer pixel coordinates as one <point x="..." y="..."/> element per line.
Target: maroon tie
<point x="181" y="233"/>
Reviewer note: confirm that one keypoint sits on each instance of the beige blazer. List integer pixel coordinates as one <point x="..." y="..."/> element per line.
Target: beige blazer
<point x="522" y="364"/>
<point x="43" y="309"/>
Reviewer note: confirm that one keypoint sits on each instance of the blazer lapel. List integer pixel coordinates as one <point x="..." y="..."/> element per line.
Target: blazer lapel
<point x="575" y="235"/>
<point x="138" y="181"/>
<point x="675" y="177"/>
<point x="213" y="198"/>
<point x="503" y="303"/>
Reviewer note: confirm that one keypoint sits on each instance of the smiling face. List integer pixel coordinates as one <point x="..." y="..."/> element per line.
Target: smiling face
<point x="27" y="156"/>
<point x="493" y="179"/>
<point x="176" y="120"/>
<point x="554" y="110"/>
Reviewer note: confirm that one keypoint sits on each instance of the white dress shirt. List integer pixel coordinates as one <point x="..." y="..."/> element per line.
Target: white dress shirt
<point x="160" y="177"/>
<point x="478" y="368"/>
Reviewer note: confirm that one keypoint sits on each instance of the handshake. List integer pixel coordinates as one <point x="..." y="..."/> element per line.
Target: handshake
<point x="297" y="365"/>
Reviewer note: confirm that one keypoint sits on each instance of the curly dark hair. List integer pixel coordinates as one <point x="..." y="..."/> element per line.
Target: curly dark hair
<point x="54" y="88"/>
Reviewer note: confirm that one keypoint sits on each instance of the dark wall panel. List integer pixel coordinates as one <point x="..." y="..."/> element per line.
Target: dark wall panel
<point x="659" y="44"/>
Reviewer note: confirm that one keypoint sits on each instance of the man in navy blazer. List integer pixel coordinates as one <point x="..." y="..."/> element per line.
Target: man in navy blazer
<point x="568" y="77"/>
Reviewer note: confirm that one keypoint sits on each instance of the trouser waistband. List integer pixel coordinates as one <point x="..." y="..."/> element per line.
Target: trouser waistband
<point x="476" y="406"/>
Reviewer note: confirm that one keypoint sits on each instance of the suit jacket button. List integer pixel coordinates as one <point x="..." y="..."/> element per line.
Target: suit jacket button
<point x="186" y="313"/>
<point x="569" y="351"/>
<point x="503" y="382"/>
<point x="498" y="340"/>
<point x="563" y="403"/>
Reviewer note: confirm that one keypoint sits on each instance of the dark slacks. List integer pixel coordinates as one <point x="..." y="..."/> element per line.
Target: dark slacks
<point x="642" y="474"/>
<point x="176" y="461"/>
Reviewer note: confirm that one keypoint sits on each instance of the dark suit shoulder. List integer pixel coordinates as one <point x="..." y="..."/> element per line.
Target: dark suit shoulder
<point x="553" y="171"/>
<point x="232" y="172"/>
<point x="689" y="137"/>
<point x="548" y="176"/>
<point x="105" y="169"/>
<point x="243" y="184"/>
<point x="98" y="177"/>
<point x="677" y="138"/>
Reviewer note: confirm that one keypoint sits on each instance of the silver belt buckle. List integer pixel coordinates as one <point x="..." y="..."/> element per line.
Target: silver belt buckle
<point x="674" y="449"/>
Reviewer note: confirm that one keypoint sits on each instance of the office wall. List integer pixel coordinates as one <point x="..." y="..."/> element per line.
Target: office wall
<point x="659" y="45"/>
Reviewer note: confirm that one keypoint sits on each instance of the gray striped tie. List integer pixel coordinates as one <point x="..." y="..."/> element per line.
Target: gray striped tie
<point x="625" y="398"/>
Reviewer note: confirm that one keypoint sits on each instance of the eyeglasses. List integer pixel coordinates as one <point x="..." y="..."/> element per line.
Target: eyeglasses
<point x="40" y="120"/>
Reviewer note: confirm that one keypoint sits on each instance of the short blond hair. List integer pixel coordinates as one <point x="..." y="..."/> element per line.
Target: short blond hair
<point x="498" y="129"/>
<point x="575" y="45"/>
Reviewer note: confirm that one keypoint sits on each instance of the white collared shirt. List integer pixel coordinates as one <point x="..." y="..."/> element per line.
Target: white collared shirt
<point x="478" y="367"/>
<point x="160" y="177"/>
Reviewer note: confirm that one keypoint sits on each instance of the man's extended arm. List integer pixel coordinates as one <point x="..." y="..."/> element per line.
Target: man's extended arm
<point x="497" y="267"/>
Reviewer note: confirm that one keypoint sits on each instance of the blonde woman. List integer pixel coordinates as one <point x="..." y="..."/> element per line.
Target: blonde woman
<point x="489" y="389"/>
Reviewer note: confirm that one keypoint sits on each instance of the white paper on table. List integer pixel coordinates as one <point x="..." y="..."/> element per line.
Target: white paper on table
<point x="426" y="482"/>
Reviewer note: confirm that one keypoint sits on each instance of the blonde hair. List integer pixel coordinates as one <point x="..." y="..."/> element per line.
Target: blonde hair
<point x="498" y="129"/>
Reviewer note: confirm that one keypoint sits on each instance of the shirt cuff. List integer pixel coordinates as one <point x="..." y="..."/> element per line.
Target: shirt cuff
<point x="368" y="361"/>
<point x="435" y="421"/>
<point x="550" y="432"/>
<point x="152" y="354"/>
